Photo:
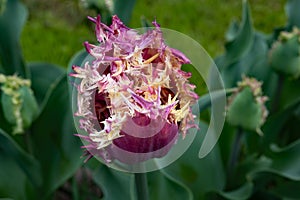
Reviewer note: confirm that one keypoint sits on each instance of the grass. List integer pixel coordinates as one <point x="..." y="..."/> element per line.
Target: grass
<point x="56" y="29"/>
<point x="207" y="20"/>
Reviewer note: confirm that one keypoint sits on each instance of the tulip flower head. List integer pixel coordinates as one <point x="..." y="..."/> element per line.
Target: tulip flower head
<point x="249" y="99"/>
<point x="133" y="99"/>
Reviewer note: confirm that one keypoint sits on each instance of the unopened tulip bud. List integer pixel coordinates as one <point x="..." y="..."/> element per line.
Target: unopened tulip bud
<point x="246" y="107"/>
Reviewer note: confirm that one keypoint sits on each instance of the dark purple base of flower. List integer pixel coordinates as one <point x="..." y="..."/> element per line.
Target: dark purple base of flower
<point x="130" y="149"/>
<point x="147" y="144"/>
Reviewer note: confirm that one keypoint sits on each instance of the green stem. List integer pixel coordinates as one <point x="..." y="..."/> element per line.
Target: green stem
<point x="234" y="155"/>
<point x="28" y="142"/>
<point x="141" y="186"/>
<point x="278" y="91"/>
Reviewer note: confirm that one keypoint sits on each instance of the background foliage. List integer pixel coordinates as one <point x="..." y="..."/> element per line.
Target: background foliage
<point x="63" y="23"/>
<point x="44" y="162"/>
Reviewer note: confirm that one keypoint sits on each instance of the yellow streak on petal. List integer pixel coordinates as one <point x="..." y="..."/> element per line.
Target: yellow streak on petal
<point x="151" y="59"/>
<point x="181" y="113"/>
<point x="119" y="71"/>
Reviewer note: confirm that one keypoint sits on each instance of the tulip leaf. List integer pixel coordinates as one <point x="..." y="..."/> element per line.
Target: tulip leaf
<point x="290" y="93"/>
<point x="120" y="185"/>
<point x="253" y="63"/>
<point x="163" y="186"/>
<point x="123" y="9"/>
<point x="286" y="189"/>
<point x="55" y="146"/>
<point x="77" y="59"/>
<point x="13" y="180"/>
<point x="192" y="171"/>
<point x="240" y="39"/>
<point x="25" y="162"/>
<point x="44" y="77"/>
<point x="205" y="101"/>
<point x="292" y="11"/>
<point x="243" y="192"/>
<point x="284" y="162"/>
<point x="12" y="20"/>
<point x="114" y="184"/>
<point x="275" y="123"/>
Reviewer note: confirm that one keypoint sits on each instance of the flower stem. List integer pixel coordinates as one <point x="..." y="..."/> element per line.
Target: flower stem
<point x="28" y="142"/>
<point x="234" y="155"/>
<point x="278" y="91"/>
<point x="141" y="186"/>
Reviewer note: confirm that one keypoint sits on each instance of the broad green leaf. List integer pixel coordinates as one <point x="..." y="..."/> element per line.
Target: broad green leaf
<point x="44" y="77"/>
<point x="288" y="190"/>
<point x="100" y="7"/>
<point x="13" y="180"/>
<point x="242" y="46"/>
<point x="200" y="175"/>
<point x="114" y="184"/>
<point x="241" y="40"/>
<point x="290" y="93"/>
<point x="243" y="192"/>
<point x="225" y="142"/>
<point x="163" y="186"/>
<point x="55" y="146"/>
<point x="255" y="62"/>
<point x="205" y="101"/>
<point x="123" y="9"/>
<point x="120" y="185"/>
<point x="26" y="163"/>
<point x="292" y="11"/>
<point x="275" y="123"/>
<point x="284" y="162"/>
<point x="232" y="30"/>
<point x="146" y="24"/>
<point x="77" y="59"/>
<point x="11" y="22"/>
<point x="196" y="78"/>
<point x="230" y="74"/>
<point x="297" y="112"/>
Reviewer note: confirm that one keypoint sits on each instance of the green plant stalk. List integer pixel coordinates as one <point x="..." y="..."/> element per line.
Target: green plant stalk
<point x="278" y="91"/>
<point x="75" y="193"/>
<point x="28" y="141"/>
<point x="141" y="186"/>
<point x="234" y="156"/>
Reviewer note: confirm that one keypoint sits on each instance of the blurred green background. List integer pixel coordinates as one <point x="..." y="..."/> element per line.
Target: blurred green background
<point x="242" y="165"/>
<point x="56" y="29"/>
